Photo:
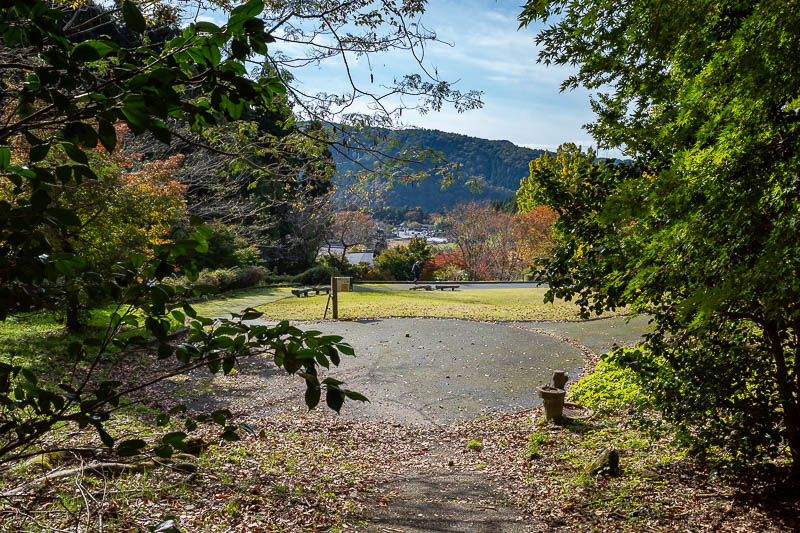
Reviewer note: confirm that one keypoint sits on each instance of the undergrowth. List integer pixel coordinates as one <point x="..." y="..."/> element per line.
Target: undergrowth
<point x="609" y="388"/>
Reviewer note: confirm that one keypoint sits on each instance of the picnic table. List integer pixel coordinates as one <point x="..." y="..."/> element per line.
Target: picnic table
<point x="433" y="287"/>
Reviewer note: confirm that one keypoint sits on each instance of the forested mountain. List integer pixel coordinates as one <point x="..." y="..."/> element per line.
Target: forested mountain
<point x="497" y="165"/>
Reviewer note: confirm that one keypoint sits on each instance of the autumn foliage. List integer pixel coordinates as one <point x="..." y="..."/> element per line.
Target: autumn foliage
<point x="131" y="206"/>
<point x="491" y="245"/>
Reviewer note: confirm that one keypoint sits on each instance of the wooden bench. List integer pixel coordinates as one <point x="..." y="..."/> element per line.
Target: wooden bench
<point x="420" y="287"/>
<point x="303" y="292"/>
<point x="451" y="287"/>
<point x="319" y="288"/>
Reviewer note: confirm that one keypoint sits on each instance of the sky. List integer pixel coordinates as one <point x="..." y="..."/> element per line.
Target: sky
<point x="522" y="102"/>
<point x="482" y="50"/>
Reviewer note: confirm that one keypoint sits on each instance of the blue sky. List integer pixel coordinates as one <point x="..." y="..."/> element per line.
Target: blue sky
<point x="522" y="102"/>
<point x="485" y="51"/>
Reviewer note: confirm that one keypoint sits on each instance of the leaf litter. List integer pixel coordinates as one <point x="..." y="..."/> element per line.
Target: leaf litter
<point x="316" y="471"/>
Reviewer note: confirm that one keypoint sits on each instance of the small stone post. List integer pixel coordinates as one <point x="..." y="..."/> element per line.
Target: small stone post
<point x="553" y="397"/>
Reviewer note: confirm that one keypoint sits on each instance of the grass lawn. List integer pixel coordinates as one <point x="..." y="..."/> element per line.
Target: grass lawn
<point x="27" y="335"/>
<point x="477" y="304"/>
<point x="32" y="339"/>
<point x="236" y="301"/>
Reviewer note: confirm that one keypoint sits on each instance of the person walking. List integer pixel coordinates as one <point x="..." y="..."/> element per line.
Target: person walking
<point x="415" y="271"/>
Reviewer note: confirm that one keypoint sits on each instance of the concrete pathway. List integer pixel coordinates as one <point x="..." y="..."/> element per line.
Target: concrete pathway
<point x="418" y="370"/>
<point x="435" y="371"/>
<point x="436" y="496"/>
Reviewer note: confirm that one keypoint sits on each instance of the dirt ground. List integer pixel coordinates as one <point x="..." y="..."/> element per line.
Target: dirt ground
<point x="422" y="376"/>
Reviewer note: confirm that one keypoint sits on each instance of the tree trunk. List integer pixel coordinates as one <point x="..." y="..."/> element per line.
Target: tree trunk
<point x="794" y="449"/>
<point x="73" y="318"/>
<point x="73" y="321"/>
<point x="788" y="397"/>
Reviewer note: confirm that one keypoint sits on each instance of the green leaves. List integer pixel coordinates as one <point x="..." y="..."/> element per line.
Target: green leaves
<point x="93" y="50"/>
<point x="176" y="440"/>
<point x="80" y="133"/>
<point x="243" y="13"/>
<point x="133" y="17"/>
<point x="39" y="152"/>
<point x="131" y="447"/>
<point x="313" y="394"/>
<point x="68" y="101"/>
<point x="697" y="229"/>
<point x="74" y="153"/>
<point x="107" y="135"/>
<point x="334" y="398"/>
<point x="136" y="112"/>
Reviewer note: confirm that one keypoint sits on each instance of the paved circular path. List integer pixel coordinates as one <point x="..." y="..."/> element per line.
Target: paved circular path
<point x="427" y="370"/>
<point x="422" y="370"/>
<point x="440" y="370"/>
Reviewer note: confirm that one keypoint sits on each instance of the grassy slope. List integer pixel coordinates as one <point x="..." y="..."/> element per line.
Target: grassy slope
<point x="477" y="304"/>
<point x="236" y="301"/>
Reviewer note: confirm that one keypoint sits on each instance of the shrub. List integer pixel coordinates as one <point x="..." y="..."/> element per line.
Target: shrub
<point x="610" y="387"/>
<point x="226" y="279"/>
<point x="226" y="249"/>
<point x="316" y="275"/>
<point x="450" y="272"/>
<point x="336" y="264"/>
<point x="364" y="271"/>
<point x="395" y="263"/>
<point x="449" y="265"/>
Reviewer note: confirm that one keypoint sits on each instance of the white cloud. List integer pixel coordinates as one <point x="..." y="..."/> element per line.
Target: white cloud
<point x="522" y="98"/>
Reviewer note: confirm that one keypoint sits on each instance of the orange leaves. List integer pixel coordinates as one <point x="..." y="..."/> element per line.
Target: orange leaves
<point x="130" y="209"/>
<point x="496" y="245"/>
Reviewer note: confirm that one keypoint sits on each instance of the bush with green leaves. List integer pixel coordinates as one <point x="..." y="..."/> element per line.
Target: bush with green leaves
<point x="228" y="279"/>
<point x="316" y="275"/>
<point x="610" y="387"/>
<point x="396" y="262"/>
<point x="227" y="250"/>
<point x="68" y="92"/>
<point x="700" y="227"/>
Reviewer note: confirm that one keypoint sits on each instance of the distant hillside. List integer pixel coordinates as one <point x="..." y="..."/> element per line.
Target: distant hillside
<point x="499" y="165"/>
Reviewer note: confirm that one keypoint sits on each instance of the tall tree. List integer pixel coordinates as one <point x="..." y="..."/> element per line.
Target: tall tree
<point x="67" y="84"/>
<point x="350" y="228"/>
<point x="701" y="228"/>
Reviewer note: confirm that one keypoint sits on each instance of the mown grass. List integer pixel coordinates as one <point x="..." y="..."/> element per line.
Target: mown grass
<point x="39" y="340"/>
<point x="477" y="304"/>
<point x="237" y="301"/>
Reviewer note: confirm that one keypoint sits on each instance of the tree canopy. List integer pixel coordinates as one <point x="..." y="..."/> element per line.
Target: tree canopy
<point x="74" y="76"/>
<point x="701" y="228"/>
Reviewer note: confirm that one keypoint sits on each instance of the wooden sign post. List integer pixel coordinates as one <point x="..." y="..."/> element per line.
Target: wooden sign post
<point x="334" y="298"/>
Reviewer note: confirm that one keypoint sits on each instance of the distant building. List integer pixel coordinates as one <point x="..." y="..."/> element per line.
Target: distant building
<point x="354" y="258"/>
